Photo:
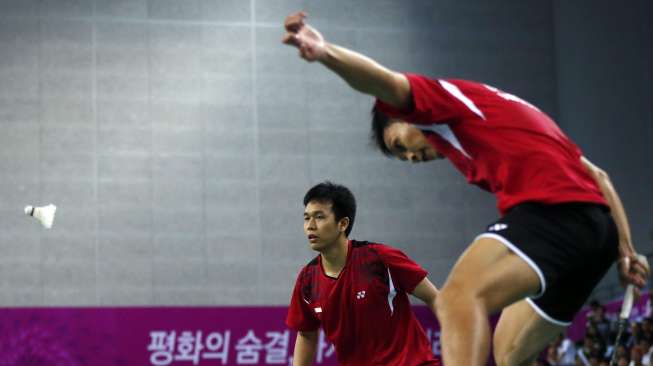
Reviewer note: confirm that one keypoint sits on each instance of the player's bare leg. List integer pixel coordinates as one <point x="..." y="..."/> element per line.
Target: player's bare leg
<point x="521" y="334"/>
<point x="486" y="278"/>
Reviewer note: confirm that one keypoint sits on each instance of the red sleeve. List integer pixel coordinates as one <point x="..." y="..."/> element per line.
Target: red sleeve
<point x="300" y="315"/>
<point x="431" y="103"/>
<point x="406" y="274"/>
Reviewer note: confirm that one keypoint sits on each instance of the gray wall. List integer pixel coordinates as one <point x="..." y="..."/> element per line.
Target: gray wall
<point x="178" y="137"/>
<point x="604" y="66"/>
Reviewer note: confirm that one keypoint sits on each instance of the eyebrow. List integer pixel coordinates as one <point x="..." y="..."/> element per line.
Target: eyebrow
<point x="313" y="212"/>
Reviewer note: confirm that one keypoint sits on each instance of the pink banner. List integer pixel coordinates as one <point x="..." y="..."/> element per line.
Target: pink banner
<point x="158" y="336"/>
<point x="178" y="335"/>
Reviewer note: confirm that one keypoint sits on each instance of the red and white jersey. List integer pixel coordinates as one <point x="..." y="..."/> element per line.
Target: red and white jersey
<point x="365" y="312"/>
<point x="499" y="142"/>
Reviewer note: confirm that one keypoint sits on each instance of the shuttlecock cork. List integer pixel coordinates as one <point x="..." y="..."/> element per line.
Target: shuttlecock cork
<point x="44" y="214"/>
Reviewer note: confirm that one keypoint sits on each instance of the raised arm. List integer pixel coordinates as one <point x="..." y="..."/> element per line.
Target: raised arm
<point x="305" y="347"/>
<point x="360" y="72"/>
<point x="631" y="269"/>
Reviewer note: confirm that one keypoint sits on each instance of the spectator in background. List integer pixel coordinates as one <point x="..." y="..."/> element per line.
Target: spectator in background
<point x="597" y="337"/>
<point x="648" y="310"/>
<point x="622" y="351"/>
<point x="591" y="348"/>
<point x="636" y="356"/>
<point x="598" y="319"/>
<point x="594" y="361"/>
<point x="594" y="305"/>
<point x="539" y="362"/>
<point x="562" y="352"/>
<point x="645" y="346"/>
<point x="635" y="335"/>
<point x="647" y="329"/>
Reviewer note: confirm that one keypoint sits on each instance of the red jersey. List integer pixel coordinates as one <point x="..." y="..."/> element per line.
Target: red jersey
<point x="364" y="312"/>
<point x="499" y="142"/>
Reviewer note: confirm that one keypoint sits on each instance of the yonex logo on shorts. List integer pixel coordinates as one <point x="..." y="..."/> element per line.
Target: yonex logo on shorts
<point x="497" y="227"/>
<point x="360" y="295"/>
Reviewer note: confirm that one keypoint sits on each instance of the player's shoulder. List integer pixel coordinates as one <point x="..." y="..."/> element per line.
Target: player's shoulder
<point x="465" y="85"/>
<point x="312" y="264"/>
<point x="371" y="248"/>
<point x="361" y="244"/>
<point x="439" y="79"/>
<point x="309" y="269"/>
<point x="364" y="245"/>
<point x="462" y="89"/>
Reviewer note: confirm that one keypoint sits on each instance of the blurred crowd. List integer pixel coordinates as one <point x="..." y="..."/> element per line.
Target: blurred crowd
<point x="597" y="347"/>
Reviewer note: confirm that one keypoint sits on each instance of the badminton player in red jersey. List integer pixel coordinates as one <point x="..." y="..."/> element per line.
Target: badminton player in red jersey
<point x="356" y="291"/>
<point x="562" y="223"/>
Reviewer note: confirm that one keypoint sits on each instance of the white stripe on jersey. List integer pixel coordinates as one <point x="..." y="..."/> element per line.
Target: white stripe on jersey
<point x="446" y="133"/>
<point x="453" y="90"/>
<point x="392" y="292"/>
<point x="508" y="96"/>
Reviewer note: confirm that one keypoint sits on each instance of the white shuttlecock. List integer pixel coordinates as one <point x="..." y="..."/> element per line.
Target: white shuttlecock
<point x="44" y="214"/>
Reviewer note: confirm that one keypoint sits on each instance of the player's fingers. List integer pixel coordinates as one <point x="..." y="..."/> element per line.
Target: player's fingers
<point x="636" y="279"/>
<point x="295" y="21"/>
<point x="645" y="266"/>
<point x="639" y="268"/>
<point x="290" y="39"/>
<point x="308" y="55"/>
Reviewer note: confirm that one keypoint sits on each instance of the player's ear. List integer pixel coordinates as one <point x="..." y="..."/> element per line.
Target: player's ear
<point x="343" y="224"/>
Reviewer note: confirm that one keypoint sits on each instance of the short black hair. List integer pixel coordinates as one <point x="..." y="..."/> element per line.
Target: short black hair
<point x="380" y="121"/>
<point x="342" y="200"/>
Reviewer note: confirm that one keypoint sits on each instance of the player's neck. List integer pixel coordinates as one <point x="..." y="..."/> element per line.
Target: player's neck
<point x="335" y="257"/>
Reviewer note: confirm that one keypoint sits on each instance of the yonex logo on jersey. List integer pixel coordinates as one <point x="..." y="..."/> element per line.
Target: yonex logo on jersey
<point x="318" y="310"/>
<point x="497" y="227"/>
<point x="360" y="295"/>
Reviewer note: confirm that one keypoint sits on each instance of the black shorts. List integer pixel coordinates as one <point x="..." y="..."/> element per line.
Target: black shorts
<point x="570" y="246"/>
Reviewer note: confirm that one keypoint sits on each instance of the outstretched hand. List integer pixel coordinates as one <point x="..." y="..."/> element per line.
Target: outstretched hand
<point x="307" y="39"/>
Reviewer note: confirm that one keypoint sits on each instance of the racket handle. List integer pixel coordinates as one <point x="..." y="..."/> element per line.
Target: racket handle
<point x="627" y="305"/>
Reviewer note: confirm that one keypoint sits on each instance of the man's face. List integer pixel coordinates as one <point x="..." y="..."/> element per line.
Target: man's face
<point x="622" y="351"/>
<point x="407" y="142"/>
<point x="599" y="313"/>
<point x="320" y="225"/>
